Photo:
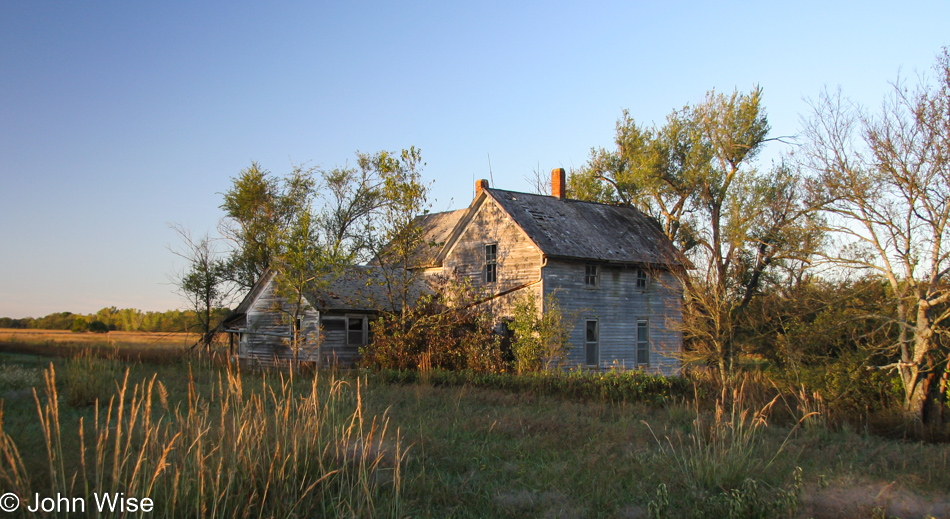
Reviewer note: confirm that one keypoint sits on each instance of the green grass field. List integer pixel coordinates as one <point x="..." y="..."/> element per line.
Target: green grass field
<point x="206" y="441"/>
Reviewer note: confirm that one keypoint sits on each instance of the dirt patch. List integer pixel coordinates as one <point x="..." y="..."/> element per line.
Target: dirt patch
<point x="553" y="505"/>
<point x="872" y="500"/>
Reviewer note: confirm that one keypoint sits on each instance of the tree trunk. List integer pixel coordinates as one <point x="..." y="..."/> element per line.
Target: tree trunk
<point x="916" y="397"/>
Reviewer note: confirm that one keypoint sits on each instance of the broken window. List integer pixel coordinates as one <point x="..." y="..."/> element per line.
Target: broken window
<point x="491" y="263"/>
<point x="591" y="349"/>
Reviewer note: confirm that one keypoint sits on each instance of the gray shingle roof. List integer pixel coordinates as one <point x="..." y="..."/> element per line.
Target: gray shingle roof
<point x="360" y="288"/>
<point x="565" y="228"/>
<point x="437" y="228"/>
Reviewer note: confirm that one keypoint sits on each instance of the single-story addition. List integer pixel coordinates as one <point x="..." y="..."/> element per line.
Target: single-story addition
<point x="333" y="322"/>
<point x="612" y="269"/>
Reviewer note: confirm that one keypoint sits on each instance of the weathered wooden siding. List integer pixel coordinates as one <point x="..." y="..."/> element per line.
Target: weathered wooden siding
<point x="618" y="304"/>
<point x="336" y="351"/>
<point x="268" y="333"/>
<point x="518" y="260"/>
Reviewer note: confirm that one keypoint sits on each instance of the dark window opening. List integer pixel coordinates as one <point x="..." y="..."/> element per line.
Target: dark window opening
<point x="491" y="263"/>
<point x="642" y="279"/>
<point x="355" y="331"/>
<point x="643" y="342"/>
<point x="590" y="275"/>
<point x="591" y="350"/>
<point x="334" y="325"/>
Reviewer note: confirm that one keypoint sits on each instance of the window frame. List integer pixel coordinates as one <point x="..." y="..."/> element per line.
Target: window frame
<point x="588" y="276"/>
<point x="595" y="342"/>
<point x="364" y="337"/>
<point x="642" y="279"/>
<point x="643" y="343"/>
<point x="491" y="263"/>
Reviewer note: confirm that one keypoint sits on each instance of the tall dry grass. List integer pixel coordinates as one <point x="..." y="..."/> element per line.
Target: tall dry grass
<point x="274" y="451"/>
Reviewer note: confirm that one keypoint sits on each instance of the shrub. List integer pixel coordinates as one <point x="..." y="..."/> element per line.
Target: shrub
<point x="446" y="330"/>
<point x="541" y="340"/>
<point x="611" y="386"/>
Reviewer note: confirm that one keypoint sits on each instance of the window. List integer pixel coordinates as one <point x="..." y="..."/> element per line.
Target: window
<point x="642" y="279"/>
<point x="643" y="342"/>
<point x="355" y="331"/>
<point x="590" y="275"/>
<point x="591" y="353"/>
<point x="491" y="263"/>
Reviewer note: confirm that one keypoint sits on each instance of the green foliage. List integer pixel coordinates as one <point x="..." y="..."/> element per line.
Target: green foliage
<point x="609" y="386"/>
<point x="394" y="234"/>
<point x="79" y="325"/>
<point x="888" y="174"/>
<point x="752" y="500"/>
<point x="540" y="340"/>
<point x="846" y="385"/>
<point x="738" y="226"/>
<point x="203" y="283"/>
<point x="258" y="208"/>
<point x="87" y="378"/>
<point x="16" y="376"/>
<point x="444" y="330"/>
<point x="126" y="320"/>
<point x="98" y="327"/>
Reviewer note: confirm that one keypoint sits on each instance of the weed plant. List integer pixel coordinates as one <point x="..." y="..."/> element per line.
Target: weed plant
<point x="281" y="450"/>
<point x="16" y="376"/>
<point x="607" y="386"/>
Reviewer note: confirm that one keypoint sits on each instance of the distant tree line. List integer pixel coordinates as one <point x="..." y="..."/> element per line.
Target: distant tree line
<point x="109" y="319"/>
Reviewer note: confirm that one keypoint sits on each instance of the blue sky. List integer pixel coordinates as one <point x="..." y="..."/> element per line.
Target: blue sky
<point x="119" y="118"/>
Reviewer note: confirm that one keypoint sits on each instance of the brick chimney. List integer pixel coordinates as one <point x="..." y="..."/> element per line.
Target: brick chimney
<point x="558" y="184"/>
<point x="479" y="186"/>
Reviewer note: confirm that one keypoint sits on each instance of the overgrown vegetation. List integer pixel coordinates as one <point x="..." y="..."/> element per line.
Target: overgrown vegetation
<point x="279" y="449"/>
<point x="540" y="340"/>
<point x="445" y="330"/>
<point x="454" y="445"/>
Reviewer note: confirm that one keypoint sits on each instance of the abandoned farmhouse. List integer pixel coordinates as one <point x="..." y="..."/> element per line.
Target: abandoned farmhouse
<point x="611" y="268"/>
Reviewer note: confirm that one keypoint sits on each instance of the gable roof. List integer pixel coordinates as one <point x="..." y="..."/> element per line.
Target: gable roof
<point x="587" y="231"/>
<point x="437" y="229"/>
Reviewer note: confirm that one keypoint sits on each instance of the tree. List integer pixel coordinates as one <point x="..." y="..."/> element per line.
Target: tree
<point x="654" y="170"/>
<point x="303" y="263"/>
<point x="352" y="196"/>
<point x="696" y="177"/>
<point x="888" y="179"/>
<point x="203" y="283"/>
<point x="258" y="208"/>
<point x="394" y="234"/>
